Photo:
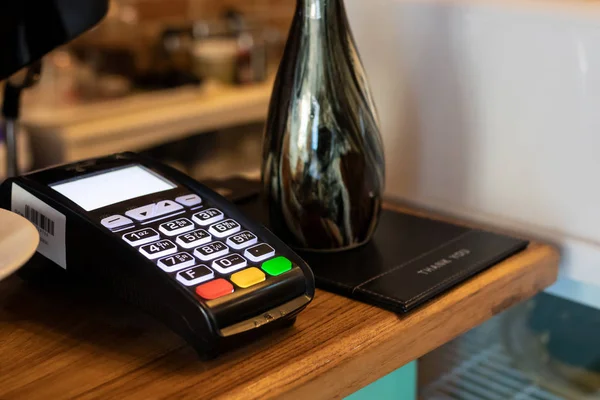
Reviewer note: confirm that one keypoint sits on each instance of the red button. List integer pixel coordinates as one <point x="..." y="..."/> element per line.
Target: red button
<point x="214" y="289"/>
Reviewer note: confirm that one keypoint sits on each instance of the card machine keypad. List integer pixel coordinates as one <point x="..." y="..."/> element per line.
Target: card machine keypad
<point x="200" y="246"/>
<point x="165" y="243"/>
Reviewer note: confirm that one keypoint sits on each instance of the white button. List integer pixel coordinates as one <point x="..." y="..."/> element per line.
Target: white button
<point x="176" y="262"/>
<point x="142" y="236"/>
<point x="211" y="251"/>
<point x="189" y="200"/>
<point x="116" y="221"/>
<point x="259" y="252"/>
<point x="242" y="240"/>
<point x="158" y="249"/>
<point x="229" y="264"/>
<point x="194" y="239"/>
<point x="142" y="213"/>
<point x="166" y="207"/>
<point x="176" y="227"/>
<point x="207" y="217"/>
<point x="196" y="275"/>
<point x="224" y="228"/>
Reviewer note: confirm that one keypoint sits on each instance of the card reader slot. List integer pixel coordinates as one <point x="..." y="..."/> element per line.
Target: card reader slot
<point x="285" y="311"/>
<point x="258" y="299"/>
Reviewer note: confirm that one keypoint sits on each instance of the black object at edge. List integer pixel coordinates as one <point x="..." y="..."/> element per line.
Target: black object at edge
<point x="29" y="29"/>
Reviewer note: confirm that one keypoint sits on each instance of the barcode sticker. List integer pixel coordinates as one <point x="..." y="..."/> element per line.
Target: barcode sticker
<point x="39" y="220"/>
<point x="50" y="223"/>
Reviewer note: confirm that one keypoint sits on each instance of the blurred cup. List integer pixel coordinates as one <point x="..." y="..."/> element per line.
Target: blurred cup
<point x="216" y="58"/>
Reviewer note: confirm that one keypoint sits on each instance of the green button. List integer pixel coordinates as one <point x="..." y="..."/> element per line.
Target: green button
<point x="277" y="266"/>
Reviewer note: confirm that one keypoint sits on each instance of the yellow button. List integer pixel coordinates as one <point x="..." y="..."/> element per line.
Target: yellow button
<point x="248" y="277"/>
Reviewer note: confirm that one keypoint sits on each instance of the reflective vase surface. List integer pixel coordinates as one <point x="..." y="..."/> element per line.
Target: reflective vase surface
<point x="323" y="168"/>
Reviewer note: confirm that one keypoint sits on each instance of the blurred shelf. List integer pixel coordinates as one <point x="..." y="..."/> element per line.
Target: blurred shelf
<point x="140" y="121"/>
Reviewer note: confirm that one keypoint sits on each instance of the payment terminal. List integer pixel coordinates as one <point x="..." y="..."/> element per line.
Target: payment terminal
<point x="147" y="233"/>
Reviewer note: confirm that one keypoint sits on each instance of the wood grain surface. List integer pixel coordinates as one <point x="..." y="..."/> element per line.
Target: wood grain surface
<point x="58" y="342"/>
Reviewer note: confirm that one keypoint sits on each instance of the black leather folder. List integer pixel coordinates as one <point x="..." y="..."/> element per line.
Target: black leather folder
<point x="409" y="261"/>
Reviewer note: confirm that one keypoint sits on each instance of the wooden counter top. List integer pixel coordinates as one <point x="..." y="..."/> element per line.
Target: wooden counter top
<point x="59" y="343"/>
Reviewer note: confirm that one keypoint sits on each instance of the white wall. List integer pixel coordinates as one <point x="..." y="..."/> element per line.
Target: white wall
<point x="491" y="111"/>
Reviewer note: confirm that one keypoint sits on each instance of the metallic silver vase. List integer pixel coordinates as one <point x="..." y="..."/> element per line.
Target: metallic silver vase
<point x="323" y="169"/>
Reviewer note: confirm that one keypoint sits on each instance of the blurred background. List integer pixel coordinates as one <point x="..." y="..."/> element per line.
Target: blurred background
<point x="166" y="77"/>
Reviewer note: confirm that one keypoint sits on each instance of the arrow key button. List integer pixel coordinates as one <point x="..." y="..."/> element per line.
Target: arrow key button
<point x="142" y="213"/>
<point x="166" y="207"/>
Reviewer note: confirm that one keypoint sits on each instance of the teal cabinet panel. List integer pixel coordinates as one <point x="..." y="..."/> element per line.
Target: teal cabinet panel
<point x="399" y="385"/>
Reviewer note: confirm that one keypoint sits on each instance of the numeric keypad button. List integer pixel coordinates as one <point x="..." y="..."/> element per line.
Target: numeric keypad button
<point x="208" y="216"/>
<point x="142" y="236"/>
<point x="211" y="251"/>
<point x="259" y="252"/>
<point x="176" y="262"/>
<point x="224" y="228"/>
<point x="176" y="227"/>
<point x="242" y="240"/>
<point x="196" y="275"/>
<point x="229" y="264"/>
<point x="194" y="239"/>
<point x="158" y="249"/>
